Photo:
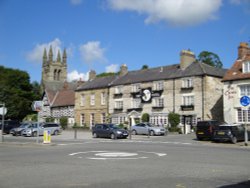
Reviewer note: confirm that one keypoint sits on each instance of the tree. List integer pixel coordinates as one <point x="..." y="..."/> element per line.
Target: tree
<point x="173" y="119"/>
<point x="104" y="74"/>
<point x="16" y="92"/>
<point x="210" y="58"/>
<point x="144" y="67"/>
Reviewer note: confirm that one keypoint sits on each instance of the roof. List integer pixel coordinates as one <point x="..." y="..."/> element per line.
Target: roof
<point x="235" y="72"/>
<point x="64" y="98"/>
<point x="57" y="85"/>
<point x="97" y="83"/>
<point x="169" y="72"/>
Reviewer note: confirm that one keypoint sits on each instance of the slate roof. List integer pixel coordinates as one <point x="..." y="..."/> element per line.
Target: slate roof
<point x="97" y="83"/>
<point x="169" y="72"/>
<point x="235" y="72"/>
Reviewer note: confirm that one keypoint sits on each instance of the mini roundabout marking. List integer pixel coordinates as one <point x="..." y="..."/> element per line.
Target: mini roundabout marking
<point x="116" y="155"/>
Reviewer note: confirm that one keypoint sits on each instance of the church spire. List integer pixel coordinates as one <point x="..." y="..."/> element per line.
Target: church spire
<point x="64" y="56"/>
<point x="50" y="54"/>
<point x="58" y="56"/>
<point x="45" y="58"/>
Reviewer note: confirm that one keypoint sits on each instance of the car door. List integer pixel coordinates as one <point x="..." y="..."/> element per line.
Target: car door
<point x="139" y="128"/>
<point x="144" y="128"/>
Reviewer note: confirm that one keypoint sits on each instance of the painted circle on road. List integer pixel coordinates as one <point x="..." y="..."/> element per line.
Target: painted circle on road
<point x="116" y="155"/>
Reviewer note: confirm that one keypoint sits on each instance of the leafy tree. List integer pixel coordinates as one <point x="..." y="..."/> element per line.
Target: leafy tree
<point x="210" y="58"/>
<point x="145" y="117"/>
<point x="173" y="119"/>
<point x="16" y="92"/>
<point x="64" y="122"/>
<point x="144" y="67"/>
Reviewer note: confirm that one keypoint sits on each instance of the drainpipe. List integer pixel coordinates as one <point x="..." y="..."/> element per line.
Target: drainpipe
<point x="203" y="96"/>
<point x="173" y="95"/>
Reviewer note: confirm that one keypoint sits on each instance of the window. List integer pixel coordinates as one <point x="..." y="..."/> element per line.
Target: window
<point x="158" y="86"/>
<point x="158" y="102"/>
<point x="82" y="119"/>
<point x="243" y="116"/>
<point x="119" y="104"/>
<point x="246" y="67"/>
<point x="136" y="88"/>
<point x="245" y="90"/>
<point x="103" y="120"/>
<point x="103" y="98"/>
<point x="92" y="120"/>
<point x="188" y="100"/>
<point x="82" y="100"/>
<point x="92" y="99"/>
<point x="158" y="119"/>
<point x="187" y="83"/>
<point x="136" y="103"/>
<point x="118" y="89"/>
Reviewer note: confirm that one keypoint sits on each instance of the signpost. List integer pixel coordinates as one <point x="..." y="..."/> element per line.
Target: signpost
<point x="37" y="106"/>
<point x="245" y="101"/>
<point x="3" y="111"/>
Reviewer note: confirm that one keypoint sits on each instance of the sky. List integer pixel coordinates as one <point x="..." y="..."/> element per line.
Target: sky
<point x="102" y="35"/>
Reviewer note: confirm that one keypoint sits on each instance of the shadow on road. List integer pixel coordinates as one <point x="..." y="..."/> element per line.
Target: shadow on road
<point x="245" y="184"/>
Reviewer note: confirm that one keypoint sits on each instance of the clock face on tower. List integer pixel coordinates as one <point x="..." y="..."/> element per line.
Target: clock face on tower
<point x="146" y="95"/>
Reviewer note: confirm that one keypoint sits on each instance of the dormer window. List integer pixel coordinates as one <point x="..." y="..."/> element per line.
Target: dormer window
<point x="246" y="67"/>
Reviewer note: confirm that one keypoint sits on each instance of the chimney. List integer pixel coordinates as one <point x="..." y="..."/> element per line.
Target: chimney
<point x="187" y="58"/>
<point x="243" y="50"/>
<point x="92" y="75"/>
<point x="123" y="70"/>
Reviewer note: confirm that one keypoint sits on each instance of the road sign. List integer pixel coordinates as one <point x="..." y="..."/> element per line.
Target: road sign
<point x="245" y="101"/>
<point x="3" y="111"/>
<point x="37" y="106"/>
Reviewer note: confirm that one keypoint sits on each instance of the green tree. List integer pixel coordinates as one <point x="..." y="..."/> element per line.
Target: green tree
<point x="210" y="58"/>
<point x="104" y="74"/>
<point x="16" y="92"/>
<point x="64" y="122"/>
<point x="145" y="117"/>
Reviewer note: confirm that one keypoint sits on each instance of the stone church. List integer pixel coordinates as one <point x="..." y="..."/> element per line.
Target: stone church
<point x="58" y="94"/>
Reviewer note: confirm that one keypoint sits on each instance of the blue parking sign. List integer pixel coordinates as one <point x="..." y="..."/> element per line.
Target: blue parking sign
<point x="245" y="101"/>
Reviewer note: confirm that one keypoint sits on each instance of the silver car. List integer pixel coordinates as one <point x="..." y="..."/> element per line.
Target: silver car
<point x="53" y="128"/>
<point x="147" y="128"/>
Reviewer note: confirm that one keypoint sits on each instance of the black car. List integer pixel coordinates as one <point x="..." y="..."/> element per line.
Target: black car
<point x="8" y="125"/>
<point x="205" y="129"/>
<point x="108" y="131"/>
<point x="230" y="132"/>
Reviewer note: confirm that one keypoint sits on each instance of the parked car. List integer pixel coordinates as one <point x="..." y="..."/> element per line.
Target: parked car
<point x="18" y="130"/>
<point x="230" y="132"/>
<point x="54" y="129"/>
<point x="8" y="125"/>
<point x="147" y="128"/>
<point x="108" y="131"/>
<point x="205" y="129"/>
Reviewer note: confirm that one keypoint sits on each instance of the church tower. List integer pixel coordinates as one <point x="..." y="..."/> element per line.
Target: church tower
<point x="54" y="72"/>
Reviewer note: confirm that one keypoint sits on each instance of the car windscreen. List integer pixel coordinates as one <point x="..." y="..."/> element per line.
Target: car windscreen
<point x="112" y="126"/>
<point x="224" y="128"/>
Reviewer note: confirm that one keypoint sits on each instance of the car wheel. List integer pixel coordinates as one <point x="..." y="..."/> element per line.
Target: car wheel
<point x="34" y="134"/>
<point x="134" y="132"/>
<point x="95" y="135"/>
<point x="112" y="136"/>
<point x="152" y="133"/>
<point x="56" y="133"/>
<point x="234" y="140"/>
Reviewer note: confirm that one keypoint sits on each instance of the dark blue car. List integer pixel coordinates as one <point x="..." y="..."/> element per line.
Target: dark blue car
<point x="108" y="131"/>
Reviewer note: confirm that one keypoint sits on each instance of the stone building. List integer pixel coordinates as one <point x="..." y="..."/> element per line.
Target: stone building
<point x="58" y="94"/>
<point x="91" y="100"/>
<point x="191" y="89"/>
<point x="237" y="84"/>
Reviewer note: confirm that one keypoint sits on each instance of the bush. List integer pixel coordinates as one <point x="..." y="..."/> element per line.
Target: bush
<point x="50" y="119"/>
<point x="145" y="117"/>
<point x="64" y="122"/>
<point x="173" y="119"/>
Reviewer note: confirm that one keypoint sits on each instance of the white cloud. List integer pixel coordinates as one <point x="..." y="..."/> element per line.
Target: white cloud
<point x="112" y="68"/>
<point x="75" y="75"/>
<point x="76" y="2"/>
<point x="92" y="52"/>
<point x="175" y="12"/>
<point x="36" y="54"/>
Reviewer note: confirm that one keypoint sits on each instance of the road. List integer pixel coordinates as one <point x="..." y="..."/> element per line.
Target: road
<point x="177" y="161"/>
